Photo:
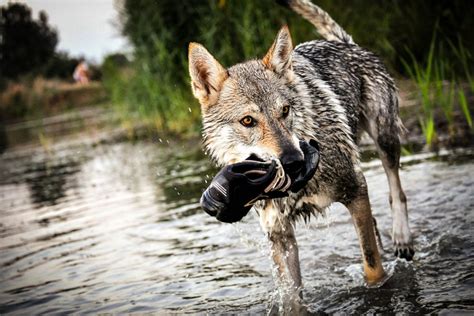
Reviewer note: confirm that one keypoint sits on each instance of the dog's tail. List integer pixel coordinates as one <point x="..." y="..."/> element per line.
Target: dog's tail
<point x="326" y="26"/>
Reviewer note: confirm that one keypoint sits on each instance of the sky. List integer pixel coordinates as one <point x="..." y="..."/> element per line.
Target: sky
<point x="85" y="27"/>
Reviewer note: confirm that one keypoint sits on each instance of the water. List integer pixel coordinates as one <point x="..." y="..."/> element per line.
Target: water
<point x="117" y="228"/>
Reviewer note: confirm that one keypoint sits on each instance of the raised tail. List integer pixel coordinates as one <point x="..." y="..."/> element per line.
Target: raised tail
<point x="325" y="25"/>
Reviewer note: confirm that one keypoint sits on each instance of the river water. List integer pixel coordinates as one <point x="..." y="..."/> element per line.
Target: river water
<point x="116" y="228"/>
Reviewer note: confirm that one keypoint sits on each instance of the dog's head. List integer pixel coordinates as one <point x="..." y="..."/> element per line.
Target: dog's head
<point x="248" y="108"/>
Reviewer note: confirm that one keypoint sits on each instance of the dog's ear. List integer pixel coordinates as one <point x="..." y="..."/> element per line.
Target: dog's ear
<point x="278" y="57"/>
<point x="207" y="75"/>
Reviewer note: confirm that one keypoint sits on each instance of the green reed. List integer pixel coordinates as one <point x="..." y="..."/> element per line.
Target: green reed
<point x="440" y="87"/>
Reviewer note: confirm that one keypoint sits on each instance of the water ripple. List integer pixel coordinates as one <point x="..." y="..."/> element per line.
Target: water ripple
<point x="117" y="228"/>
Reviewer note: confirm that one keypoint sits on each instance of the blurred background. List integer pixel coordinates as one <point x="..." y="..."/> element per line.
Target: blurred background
<point x="101" y="167"/>
<point x="137" y="55"/>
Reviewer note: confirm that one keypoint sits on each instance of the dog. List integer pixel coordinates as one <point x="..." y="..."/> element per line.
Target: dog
<point x="328" y="90"/>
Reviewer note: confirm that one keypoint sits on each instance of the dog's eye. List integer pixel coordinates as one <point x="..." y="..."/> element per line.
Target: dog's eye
<point x="286" y="110"/>
<point x="247" y="121"/>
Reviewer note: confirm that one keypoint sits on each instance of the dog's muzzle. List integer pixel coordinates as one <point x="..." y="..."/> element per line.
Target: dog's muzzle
<point x="237" y="187"/>
<point x="307" y="171"/>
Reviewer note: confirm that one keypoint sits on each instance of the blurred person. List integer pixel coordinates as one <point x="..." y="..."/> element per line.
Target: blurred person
<point x="81" y="73"/>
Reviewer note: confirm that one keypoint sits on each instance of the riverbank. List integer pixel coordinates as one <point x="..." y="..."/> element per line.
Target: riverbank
<point x="70" y="119"/>
<point x="31" y="99"/>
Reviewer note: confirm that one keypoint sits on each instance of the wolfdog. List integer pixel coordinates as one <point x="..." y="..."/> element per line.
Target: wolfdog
<point x="328" y="90"/>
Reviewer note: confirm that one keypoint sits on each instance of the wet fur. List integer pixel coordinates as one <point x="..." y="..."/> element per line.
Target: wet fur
<point x="328" y="107"/>
<point x="336" y="91"/>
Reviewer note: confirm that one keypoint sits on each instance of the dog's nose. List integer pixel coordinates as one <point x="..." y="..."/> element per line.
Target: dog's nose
<point x="292" y="163"/>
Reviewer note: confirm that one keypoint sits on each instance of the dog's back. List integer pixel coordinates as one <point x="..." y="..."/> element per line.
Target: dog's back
<point x="366" y="91"/>
<point x="350" y="91"/>
<point x="365" y="82"/>
<point x="356" y="76"/>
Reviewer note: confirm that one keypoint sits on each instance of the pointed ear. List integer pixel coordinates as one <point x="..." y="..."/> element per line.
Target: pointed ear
<point x="278" y="57"/>
<point x="207" y="75"/>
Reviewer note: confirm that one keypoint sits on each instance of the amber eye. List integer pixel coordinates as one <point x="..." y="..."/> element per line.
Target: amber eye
<point x="247" y="121"/>
<point x="286" y="110"/>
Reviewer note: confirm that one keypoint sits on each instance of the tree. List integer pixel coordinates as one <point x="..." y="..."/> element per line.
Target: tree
<point x="25" y="44"/>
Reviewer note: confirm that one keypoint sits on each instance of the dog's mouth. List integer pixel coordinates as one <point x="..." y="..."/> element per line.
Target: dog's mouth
<point x="238" y="186"/>
<point x="298" y="170"/>
<point x="304" y="172"/>
<point x="294" y="168"/>
<point x="290" y="168"/>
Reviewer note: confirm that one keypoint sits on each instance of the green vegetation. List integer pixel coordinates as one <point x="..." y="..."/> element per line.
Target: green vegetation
<point x="428" y="41"/>
<point x="440" y="87"/>
<point x="154" y="87"/>
<point x="40" y="97"/>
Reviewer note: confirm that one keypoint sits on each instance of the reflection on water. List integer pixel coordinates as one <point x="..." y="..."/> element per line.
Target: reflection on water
<point x="117" y="228"/>
<point x="48" y="182"/>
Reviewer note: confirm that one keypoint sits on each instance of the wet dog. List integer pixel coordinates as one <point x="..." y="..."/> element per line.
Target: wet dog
<point x="329" y="91"/>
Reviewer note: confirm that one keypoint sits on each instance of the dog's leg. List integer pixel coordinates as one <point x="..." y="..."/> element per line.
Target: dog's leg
<point x="388" y="147"/>
<point x="361" y="214"/>
<point x="384" y="128"/>
<point x="284" y="249"/>
<point x="401" y="235"/>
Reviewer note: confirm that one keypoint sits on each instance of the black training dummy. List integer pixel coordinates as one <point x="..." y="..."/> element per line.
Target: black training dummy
<point x="238" y="186"/>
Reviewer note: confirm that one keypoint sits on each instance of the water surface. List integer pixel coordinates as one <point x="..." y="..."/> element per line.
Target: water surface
<point x="117" y="228"/>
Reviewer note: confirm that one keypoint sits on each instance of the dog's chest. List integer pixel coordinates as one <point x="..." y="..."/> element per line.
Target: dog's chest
<point x="319" y="202"/>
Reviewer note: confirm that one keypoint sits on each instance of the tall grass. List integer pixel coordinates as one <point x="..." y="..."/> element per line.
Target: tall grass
<point x="465" y="58"/>
<point x="145" y="93"/>
<point x="30" y="98"/>
<point x="155" y="88"/>
<point x="440" y="87"/>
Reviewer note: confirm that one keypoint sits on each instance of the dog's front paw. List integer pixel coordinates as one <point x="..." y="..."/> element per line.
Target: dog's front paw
<point x="401" y="236"/>
<point x="403" y="248"/>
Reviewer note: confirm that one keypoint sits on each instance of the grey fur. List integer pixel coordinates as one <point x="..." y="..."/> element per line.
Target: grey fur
<point x="336" y="91"/>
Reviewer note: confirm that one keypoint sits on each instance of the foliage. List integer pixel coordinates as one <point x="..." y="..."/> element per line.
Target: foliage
<point x="25" y="43"/>
<point x="39" y="97"/>
<point x="235" y="30"/>
<point x="464" y="107"/>
<point x="440" y="87"/>
<point x="155" y="84"/>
